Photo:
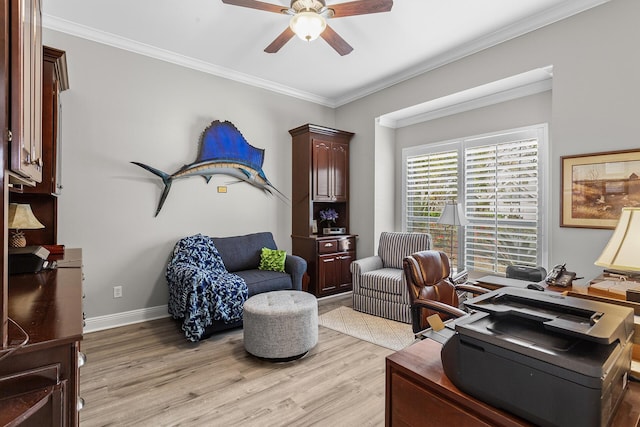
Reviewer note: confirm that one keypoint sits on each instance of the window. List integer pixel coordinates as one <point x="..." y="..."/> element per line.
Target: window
<point x="498" y="180"/>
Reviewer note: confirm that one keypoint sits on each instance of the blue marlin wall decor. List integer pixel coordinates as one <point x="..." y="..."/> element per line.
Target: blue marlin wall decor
<point x="223" y="151"/>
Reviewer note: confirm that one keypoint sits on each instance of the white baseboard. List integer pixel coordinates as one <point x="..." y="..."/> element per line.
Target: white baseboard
<point x="100" y="323"/>
<point x="109" y="321"/>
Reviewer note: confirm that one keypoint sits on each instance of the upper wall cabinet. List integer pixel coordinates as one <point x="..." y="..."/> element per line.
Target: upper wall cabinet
<point x="55" y="79"/>
<point x="330" y="168"/>
<point x="43" y="196"/>
<point x="26" y="92"/>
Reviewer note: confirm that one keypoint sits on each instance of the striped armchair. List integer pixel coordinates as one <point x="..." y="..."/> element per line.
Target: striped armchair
<point x="379" y="285"/>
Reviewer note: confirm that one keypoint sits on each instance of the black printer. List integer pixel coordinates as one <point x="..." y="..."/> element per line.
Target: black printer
<point x="553" y="360"/>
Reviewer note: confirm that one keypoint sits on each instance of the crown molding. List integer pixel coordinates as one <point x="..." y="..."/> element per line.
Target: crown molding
<point x="562" y="11"/>
<point x="524" y="26"/>
<point x="109" y="39"/>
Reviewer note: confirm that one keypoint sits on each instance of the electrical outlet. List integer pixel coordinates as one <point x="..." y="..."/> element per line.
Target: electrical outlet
<point x="117" y="291"/>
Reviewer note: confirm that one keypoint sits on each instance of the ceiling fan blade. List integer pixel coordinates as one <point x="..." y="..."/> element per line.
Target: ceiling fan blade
<point x="336" y="42"/>
<point x="254" y="4"/>
<point x="360" y="7"/>
<point x="280" y="41"/>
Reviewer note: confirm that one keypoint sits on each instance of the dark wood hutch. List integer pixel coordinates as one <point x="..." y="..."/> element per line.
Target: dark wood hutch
<point x="321" y="181"/>
<point x="43" y="197"/>
<point x="41" y="314"/>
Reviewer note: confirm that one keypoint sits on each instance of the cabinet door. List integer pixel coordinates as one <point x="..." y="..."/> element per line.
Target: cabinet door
<point x="345" y="272"/>
<point x="35" y="397"/>
<point x="26" y="90"/>
<point x="321" y="171"/>
<point x="49" y="116"/>
<point x="340" y="171"/>
<point x="53" y="72"/>
<point x="328" y="273"/>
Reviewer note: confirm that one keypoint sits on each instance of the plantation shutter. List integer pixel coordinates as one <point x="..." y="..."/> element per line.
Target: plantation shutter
<point x="501" y="204"/>
<point x="497" y="178"/>
<point x="431" y="181"/>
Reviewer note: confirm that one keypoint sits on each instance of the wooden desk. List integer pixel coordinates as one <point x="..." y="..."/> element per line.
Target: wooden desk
<point x="575" y="288"/>
<point x="494" y="286"/>
<point x="39" y="381"/>
<point x="418" y="393"/>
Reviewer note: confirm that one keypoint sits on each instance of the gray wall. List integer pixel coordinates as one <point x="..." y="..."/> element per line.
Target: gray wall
<point x="123" y="107"/>
<point x="593" y="108"/>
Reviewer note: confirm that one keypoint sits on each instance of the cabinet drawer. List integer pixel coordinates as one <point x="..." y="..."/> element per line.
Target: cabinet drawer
<point x="406" y="395"/>
<point x="327" y="246"/>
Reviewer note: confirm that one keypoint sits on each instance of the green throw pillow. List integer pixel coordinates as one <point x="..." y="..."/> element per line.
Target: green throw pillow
<point x="272" y="259"/>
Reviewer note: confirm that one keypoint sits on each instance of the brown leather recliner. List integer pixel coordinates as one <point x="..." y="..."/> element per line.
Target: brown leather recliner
<point x="431" y="290"/>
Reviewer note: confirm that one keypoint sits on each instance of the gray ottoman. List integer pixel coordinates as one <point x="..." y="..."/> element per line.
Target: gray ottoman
<point x="280" y="325"/>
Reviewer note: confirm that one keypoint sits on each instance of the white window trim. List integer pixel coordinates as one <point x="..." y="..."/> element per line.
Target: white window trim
<point x="544" y="194"/>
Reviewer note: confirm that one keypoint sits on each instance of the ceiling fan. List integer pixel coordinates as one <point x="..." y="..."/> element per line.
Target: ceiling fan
<point x="308" y="19"/>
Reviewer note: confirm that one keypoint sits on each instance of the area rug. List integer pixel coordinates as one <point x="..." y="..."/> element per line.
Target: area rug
<point x="377" y="330"/>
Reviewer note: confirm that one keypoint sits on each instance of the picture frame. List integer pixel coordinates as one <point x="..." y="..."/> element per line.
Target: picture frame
<point x="596" y="186"/>
<point x="314" y="227"/>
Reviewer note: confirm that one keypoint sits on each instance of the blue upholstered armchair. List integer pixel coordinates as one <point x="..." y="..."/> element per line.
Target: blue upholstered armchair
<point x="379" y="285"/>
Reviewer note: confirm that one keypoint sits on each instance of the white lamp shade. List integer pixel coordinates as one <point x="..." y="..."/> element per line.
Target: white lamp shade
<point x="307" y="25"/>
<point x="622" y="253"/>
<point x="21" y="217"/>
<point x="452" y="214"/>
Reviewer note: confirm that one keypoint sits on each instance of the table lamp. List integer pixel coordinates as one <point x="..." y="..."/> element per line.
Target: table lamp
<point x="453" y="216"/>
<point x="21" y="218"/>
<point x="622" y="253"/>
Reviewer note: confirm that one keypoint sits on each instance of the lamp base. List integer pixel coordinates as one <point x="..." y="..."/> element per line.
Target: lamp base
<point x="17" y="240"/>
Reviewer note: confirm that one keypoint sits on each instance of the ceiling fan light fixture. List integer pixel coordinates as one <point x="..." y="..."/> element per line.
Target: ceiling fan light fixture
<point x="308" y="25"/>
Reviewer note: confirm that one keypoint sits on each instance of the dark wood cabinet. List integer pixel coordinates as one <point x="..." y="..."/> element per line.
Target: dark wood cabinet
<point x="345" y="259"/>
<point x="43" y="196"/>
<point x="26" y="91"/>
<point x="321" y="181"/>
<point x="334" y="261"/>
<point x="333" y="273"/>
<point x="41" y="318"/>
<point x="44" y="371"/>
<point x="55" y="80"/>
<point x="320" y="168"/>
<point x="35" y="397"/>
<point x="328" y="262"/>
<point x="330" y="171"/>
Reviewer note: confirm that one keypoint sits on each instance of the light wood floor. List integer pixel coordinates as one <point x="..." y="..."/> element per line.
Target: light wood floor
<point x="148" y="374"/>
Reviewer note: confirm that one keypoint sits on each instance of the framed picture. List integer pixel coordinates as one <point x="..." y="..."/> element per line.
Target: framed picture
<point x="595" y="188"/>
